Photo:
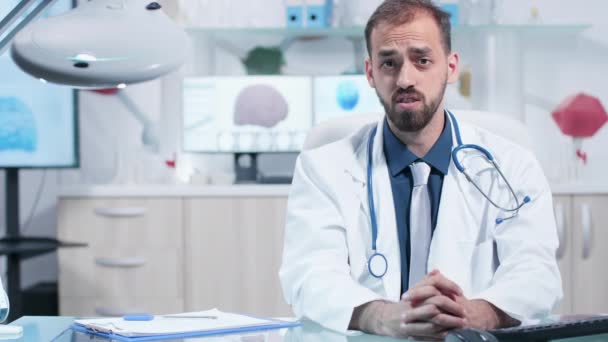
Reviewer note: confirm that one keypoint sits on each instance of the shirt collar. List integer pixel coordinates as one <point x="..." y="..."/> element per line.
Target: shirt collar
<point x="399" y="157"/>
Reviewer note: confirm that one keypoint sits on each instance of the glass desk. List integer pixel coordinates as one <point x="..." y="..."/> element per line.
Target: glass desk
<point x="56" y="329"/>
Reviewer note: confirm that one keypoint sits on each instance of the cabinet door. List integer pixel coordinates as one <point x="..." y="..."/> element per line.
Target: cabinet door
<point x="135" y="249"/>
<point x="233" y="253"/>
<point x="589" y="275"/>
<point x="562" y="207"/>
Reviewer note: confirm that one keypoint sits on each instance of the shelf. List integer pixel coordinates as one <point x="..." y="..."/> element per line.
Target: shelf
<point x="358" y="32"/>
<point x="27" y="247"/>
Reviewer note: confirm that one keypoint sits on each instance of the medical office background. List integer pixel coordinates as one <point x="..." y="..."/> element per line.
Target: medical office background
<point x="546" y="52"/>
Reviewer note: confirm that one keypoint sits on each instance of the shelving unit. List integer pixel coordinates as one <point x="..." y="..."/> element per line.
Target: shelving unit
<point x="495" y="53"/>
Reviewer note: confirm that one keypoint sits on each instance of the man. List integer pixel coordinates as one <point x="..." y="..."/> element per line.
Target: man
<point x="489" y="267"/>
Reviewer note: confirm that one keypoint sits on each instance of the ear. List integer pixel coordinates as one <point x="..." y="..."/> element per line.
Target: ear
<point x="369" y="72"/>
<point x="453" y="67"/>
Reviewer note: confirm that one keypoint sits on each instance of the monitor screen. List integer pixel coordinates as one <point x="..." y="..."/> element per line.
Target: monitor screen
<point x="38" y="121"/>
<point x="339" y="96"/>
<point x="246" y="113"/>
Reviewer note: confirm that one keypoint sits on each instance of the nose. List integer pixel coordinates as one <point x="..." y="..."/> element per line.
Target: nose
<point x="407" y="76"/>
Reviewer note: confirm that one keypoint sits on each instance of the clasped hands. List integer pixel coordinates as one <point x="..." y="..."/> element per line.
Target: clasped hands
<point x="428" y="311"/>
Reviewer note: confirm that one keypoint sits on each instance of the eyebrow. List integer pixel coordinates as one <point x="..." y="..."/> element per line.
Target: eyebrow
<point x="420" y="50"/>
<point x="387" y="53"/>
<point x="412" y="50"/>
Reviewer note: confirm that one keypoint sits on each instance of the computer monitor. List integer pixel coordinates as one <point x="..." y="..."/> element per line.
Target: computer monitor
<point x="246" y="114"/>
<point x="38" y="121"/>
<point x="344" y="95"/>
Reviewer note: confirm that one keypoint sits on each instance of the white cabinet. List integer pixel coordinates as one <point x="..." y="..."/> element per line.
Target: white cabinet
<point x="562" y="206"/>
<point x="172" y="249"/>
<point x="233" y="253"/>
<point x="134" y="259"/>
<point x="582" y="254"/>
<point x="589" y="254"/>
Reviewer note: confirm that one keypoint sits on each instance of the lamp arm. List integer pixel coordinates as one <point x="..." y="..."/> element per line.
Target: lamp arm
<point x="8" y="26"/>
<point x="539" y="102"/>
<point x="133" y="108"/>
<point x="150" y="135"/>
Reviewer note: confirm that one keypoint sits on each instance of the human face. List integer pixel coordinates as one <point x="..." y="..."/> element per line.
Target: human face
<point x="410" y="69"/>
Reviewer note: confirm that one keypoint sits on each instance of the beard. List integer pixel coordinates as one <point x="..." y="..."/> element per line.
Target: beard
<point x="411" y="120"/>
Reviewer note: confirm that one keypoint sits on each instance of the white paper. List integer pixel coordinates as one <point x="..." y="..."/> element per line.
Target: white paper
<point x="162" y="325"/>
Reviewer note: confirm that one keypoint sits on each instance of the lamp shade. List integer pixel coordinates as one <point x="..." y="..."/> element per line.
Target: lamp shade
<point x="102" y="44"/>
<point x="580" y="116"/>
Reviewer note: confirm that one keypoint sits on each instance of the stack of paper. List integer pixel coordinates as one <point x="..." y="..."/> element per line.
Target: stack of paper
<point x="191" y="324"/>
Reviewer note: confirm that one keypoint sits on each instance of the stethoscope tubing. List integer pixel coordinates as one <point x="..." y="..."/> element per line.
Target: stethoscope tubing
<point x="460" y="147"/>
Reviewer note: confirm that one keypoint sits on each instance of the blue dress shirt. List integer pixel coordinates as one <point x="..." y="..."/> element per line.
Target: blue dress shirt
<point x="399" y="158"/>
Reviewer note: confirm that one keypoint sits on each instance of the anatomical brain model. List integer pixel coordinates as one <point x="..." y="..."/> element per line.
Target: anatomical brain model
<point x="260" y="105"/>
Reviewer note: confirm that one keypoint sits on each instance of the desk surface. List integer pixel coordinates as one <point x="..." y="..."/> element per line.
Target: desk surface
<point x="249" y="190"/>
<point x="56" y="329"/>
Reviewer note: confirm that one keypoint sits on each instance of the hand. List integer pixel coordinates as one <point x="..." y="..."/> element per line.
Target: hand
<point x="447" y="296"/>
<point x="481" y="314"/>
<point x="437" y="294"/>
<point x="434" y="284"/>
<point x="402" y="320"/>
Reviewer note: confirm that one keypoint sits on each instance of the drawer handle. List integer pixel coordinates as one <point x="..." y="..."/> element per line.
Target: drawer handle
<point x="121" y="262"/>
<point x="121" y="212"/>
<point x="561" y="230"/>
<point x="587" y="230"/>
<point x="112" y="312"/>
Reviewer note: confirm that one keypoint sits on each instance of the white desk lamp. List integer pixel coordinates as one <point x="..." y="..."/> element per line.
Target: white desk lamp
<point x="99" y="44"/>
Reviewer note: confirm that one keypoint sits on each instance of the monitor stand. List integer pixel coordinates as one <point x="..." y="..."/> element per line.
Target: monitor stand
<point x="17" y="247"/>
<point x="246" y="171"/>
<point x="275" y="179"/>
<point x="246" y="168"/>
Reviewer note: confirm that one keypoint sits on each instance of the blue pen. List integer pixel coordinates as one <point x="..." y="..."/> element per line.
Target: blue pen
<point x="147" y="317"/>
<point x="138" y="317"/>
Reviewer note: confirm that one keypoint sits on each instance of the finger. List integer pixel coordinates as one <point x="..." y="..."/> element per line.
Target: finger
<point x="446" y="305"/>
<point x="422" y="313"/>
<point x="424" y="330"/>
<point x="420" y="293"/>
<point x="449" y="321"/>
<point x="432" y="314"/>
<point x="442" y="283"/>
<point x="433" y="272"/>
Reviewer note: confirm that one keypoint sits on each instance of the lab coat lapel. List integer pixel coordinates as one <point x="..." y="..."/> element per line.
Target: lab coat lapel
<point x="387" y="242"/>
<point x="458" y="219"/>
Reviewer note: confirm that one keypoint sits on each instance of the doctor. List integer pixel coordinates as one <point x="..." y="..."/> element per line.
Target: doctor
<point x="407" y="228"/>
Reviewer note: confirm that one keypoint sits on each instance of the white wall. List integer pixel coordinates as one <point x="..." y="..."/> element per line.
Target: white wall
<point x="556" y="70"/>
<point x="553" y="70"/>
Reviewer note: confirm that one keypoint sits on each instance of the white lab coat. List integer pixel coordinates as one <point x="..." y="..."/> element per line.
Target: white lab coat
<point x="328" y="236"/>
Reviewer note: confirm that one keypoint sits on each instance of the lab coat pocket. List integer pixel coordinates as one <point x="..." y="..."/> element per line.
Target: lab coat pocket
<point x="479" y="263"/>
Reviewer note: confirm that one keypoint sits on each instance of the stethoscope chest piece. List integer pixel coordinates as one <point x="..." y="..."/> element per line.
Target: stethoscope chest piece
<point x="377" y="265"/>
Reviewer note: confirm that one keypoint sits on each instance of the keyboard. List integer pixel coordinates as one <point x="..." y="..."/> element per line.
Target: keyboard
<point x="572" y="326"/>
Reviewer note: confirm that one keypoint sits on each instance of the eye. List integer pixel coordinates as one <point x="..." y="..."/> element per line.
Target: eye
<point x="389" y="63"/>
<point x="424" y="61"/>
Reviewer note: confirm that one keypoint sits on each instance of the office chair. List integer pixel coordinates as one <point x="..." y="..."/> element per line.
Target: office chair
<point x="339" y="128"/>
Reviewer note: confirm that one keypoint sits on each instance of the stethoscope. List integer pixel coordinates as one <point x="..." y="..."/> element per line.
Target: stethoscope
<point x="377" y="263"/>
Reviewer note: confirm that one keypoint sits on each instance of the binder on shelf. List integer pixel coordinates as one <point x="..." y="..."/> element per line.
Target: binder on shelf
<point x="295" y="13"/>
<point x="177" y="326"/>
<point x="318" y="13"/>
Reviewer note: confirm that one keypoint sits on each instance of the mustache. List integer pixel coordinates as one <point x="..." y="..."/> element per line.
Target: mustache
<point x="407" y="94"/>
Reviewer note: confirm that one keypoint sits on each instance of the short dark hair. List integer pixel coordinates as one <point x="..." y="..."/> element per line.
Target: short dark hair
<point x="398" y="12"/>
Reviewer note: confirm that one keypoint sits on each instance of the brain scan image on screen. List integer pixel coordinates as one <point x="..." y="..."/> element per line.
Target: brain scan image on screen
<point x="38" y="121"/>
<point x="17" y="126"/>
<point x="246" y="113"/>
<point x="347" y="95"/>
<point x="344" y="95"/>
<point x="260" y="105"/>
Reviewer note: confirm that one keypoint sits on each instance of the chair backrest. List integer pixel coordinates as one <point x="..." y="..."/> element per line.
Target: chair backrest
<point x="339" y="128"/>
